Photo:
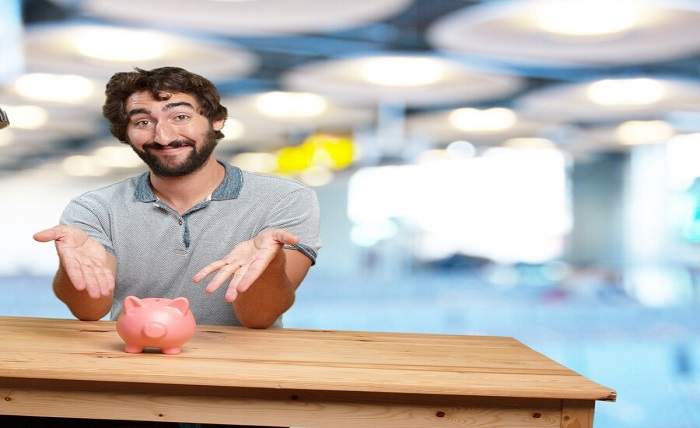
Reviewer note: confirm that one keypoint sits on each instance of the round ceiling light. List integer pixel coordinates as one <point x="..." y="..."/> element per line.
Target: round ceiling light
<point x="290" y="104"/>
<point x="233" y="129"/>
<point x="120" y="44"/>
<point x="407" y="79"/>
<point x="488" y="120"/>
<point x="625" y="92"/>
<point x="587" y="17"/>
<point x="83" y="166"/>
<point x="248" y="17"/>
<point x="67" y="88"/>
<point x="99" y="51"/>
<point x="529" y="143"/>
<point x="262" y="162"/>
<point x="635" y="132"/>
<point x="117" y="157"/>
<point x="571" y="33"/>
<point x="402" y="71"/>
<point x="610" y="100"/>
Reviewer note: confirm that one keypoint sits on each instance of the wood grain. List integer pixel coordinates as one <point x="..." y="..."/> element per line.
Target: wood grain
<point x="577" y="414"/>
<point x="290" y="359"/>
<point x="309" y="410"/>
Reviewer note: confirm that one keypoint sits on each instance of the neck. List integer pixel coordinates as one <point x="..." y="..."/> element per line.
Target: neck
<point x="182" y="193"/>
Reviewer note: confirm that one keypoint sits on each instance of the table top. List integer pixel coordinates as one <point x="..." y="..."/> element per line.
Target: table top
<point x="317" y="360"/>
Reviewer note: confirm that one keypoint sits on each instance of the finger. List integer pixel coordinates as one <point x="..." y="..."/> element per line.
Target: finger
<point x="281" y="235"/>
<point x="252" y="274"/>
<point x="231" y="294"/>
<point x="91" y="282"/>
<point x="224" y="273"/>
<point x="109" y="282"/>
<point x="112" y="281"/>
<point x="74" y="272"/>
<point x="211" y="267"/>
<point x="275" y="236"/>
<point x="101" y="281"/>
<point x="47" y="235"/>
<point x="104" y="278"/>
<point x="232" y="291"/>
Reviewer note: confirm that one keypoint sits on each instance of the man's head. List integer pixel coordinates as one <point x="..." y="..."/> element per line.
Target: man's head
<point x="171" y="118"/>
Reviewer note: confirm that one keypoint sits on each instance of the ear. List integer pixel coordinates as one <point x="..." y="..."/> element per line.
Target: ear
<point x="218" y="125"/>
<point x="131" y="303"/>
<point x="181" y="304"/>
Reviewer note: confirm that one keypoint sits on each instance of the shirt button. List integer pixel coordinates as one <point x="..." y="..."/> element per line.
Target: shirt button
<point x="180" y="221"/>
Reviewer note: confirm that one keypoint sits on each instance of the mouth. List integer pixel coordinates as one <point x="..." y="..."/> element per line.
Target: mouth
<point x="170" y="150"/>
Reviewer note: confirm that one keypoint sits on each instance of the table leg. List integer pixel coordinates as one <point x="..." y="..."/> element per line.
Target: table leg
<point x="577" y="413"/>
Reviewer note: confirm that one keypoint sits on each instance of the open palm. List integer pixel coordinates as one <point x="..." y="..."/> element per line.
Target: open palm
<point x="246" y="262"/>
<point x="84" y="260"/>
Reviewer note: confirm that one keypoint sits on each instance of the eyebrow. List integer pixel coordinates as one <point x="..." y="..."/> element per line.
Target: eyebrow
<point x="165" y="108"/>
<point x="138" y="111"/>
<point x="177" y="104"/>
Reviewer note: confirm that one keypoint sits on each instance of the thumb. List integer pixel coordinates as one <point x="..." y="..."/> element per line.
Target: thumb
<point x="51" y="234"/>
<point x="284" y="237"/>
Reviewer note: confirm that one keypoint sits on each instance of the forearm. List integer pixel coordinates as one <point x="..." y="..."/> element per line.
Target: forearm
<point x="79" y="302"/>
<point x="268" y="298"/>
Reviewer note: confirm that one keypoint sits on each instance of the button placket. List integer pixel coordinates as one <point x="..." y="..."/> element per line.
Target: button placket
<point x="180" y="221"/>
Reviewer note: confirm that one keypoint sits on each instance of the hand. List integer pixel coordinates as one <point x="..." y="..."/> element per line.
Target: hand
<point x="83" y="259"/>
<point x="246" y="262"/>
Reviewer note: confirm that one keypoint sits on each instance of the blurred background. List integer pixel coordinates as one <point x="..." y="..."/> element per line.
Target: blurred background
<point x="515" y="168"/>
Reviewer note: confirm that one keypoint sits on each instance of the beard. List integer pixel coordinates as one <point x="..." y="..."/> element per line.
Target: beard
<point x="194" y="161"/>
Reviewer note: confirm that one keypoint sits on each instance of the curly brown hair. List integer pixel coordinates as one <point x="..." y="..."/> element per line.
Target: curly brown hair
<point x="164" y="79"/>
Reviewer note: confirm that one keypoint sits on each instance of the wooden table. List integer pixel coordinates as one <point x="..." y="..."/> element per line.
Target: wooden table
<point x="286" y="377"/>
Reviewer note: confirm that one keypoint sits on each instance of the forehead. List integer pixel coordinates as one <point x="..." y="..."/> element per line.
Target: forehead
<point x="144" y="99"/>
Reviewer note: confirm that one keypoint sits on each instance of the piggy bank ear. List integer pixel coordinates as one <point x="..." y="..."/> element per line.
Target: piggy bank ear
<point x="131" y="303"/>
<point x="181" y="304"/>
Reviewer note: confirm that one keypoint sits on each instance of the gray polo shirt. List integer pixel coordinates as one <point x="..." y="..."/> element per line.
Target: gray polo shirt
<point x="159" y="251"/>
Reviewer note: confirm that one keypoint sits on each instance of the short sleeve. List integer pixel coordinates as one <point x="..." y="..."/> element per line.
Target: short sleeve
<point x="91" y="216"/>
<point x="298" y="212"/>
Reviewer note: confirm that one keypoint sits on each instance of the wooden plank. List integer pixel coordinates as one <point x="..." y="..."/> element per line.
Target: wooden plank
<point x="294" y="359"/>
<point x="577" y="413"/>
<point x="268" y="408"/>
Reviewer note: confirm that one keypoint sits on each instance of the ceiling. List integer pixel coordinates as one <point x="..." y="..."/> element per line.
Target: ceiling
<point x="495" y="58"/>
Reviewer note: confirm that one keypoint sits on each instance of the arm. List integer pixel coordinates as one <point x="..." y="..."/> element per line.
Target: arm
<point x="81" y="304"/>
<point x="262" y="277"/>
<point x="273" y="292"/>
<point x="86" y="272"/>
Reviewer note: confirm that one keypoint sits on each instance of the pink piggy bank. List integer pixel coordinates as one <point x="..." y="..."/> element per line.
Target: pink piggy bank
<point x="158" y="323"/>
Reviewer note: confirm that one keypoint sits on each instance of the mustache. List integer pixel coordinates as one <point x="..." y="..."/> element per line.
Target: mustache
<point x="173" y="145"/>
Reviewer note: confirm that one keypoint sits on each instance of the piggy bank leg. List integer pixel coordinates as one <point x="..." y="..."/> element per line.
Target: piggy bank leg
<point x="133" y="349"/>
<point x="171" y="351"/>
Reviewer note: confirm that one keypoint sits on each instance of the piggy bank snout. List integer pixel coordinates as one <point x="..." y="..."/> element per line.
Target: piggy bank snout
<point x="154" y="330"/>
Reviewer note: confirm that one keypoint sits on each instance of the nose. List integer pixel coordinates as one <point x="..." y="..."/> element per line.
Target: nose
<point x="165" y="134"/>
<point x="154" y="330"/>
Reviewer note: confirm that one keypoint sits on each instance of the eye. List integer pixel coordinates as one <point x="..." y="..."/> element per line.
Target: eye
<point x="142" y="123"/>
<point x="180" y="117"/>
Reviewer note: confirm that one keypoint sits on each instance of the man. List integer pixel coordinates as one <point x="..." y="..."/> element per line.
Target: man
<point x="162" y="233"/>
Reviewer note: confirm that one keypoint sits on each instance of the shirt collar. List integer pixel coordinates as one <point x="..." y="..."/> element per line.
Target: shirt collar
<point x="229" y="188"/>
